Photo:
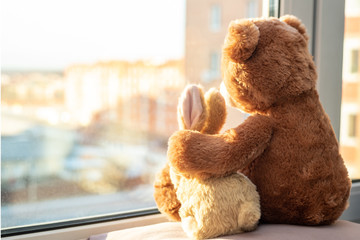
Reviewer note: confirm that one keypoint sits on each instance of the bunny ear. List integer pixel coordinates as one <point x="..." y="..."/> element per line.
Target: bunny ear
<point x="241" y="40"/>
<point x="191" y="108"/>
<point x="216" y="106"/>
<point x="295" y="23"/>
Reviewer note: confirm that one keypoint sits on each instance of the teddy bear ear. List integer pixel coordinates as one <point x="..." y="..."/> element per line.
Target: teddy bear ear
<point x="295" y="23"/>
<point x="241" y="40"/>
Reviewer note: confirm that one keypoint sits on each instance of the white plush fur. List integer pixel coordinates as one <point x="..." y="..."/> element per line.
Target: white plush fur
<point x="217" y="206"/>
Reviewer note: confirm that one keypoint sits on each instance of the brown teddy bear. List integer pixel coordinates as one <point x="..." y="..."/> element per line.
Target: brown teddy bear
<point x="213" y="206"/>
<point x="287" y="146"/>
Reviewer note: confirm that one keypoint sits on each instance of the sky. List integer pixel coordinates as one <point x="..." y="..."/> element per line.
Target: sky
<point x="51" y="35"/>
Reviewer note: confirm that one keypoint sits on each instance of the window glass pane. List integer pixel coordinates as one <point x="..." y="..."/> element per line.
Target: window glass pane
<point x="350" y="107"/>
<point x="89" y="95"/>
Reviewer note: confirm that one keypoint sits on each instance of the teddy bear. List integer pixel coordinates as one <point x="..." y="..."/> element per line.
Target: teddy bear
<point x="287" y="146"/>
<point x="212" y="206"/>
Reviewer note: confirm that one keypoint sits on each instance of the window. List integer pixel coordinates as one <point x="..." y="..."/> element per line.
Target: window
<point x="213" y="72"/>
<point x="215" y="18"/>
<point x="88" y="103"/>
<point x="351" y="56"/>
<point x="352" y="125"/>
<point x="215" y="62"/>
<point x="354" y="61"/>
<point x="252" y="9"/>
<point x="83" y="131"/>
<point x="349" y="112"/>
<point x="273" y="7"/>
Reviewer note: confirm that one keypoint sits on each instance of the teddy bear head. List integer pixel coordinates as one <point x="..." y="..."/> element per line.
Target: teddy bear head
<point x="266" y="61"/>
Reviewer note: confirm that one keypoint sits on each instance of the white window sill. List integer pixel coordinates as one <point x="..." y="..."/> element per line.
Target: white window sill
<point x="83" y="232"/>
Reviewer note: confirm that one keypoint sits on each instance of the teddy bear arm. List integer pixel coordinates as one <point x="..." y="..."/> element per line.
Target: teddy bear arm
<point x="199" y="154"/>
<point x="165" y="195"/>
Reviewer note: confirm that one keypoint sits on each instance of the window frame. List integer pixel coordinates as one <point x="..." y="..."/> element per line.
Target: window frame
<point x="322" y="19"/>
<point x="85" y="230"/>
<point x="35" y="228"/>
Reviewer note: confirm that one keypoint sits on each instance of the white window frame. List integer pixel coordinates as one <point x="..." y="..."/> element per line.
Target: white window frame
<point x="324" y="20"/>
<point x="84" y="232"/>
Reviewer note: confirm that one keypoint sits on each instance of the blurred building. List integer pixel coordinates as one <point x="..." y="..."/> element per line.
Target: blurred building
<point x="350" y="108"/>
<point x="30" y="148"/>
<point x="32" y="89"/>
<point x="206" y="26"/>
<point x="139" y="95"/>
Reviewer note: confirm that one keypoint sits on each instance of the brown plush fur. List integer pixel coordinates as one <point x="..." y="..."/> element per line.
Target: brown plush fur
<point x="165" y="195"/>
<point x="287" y="147"/>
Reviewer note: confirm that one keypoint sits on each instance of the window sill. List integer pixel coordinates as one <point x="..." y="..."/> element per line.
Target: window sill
<point x="83" y="232"/>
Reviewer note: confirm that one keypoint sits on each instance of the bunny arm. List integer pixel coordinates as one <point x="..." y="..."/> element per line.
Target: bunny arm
<point x="211" y="117"/>
<point x="205" y="155"/>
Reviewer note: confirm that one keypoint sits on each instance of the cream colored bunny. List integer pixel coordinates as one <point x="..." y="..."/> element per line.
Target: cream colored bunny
<point x="212" y="206"/>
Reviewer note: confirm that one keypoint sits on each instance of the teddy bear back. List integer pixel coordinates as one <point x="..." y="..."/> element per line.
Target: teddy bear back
<point x="266" y="61"/>
<point x="268" y="70"/>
